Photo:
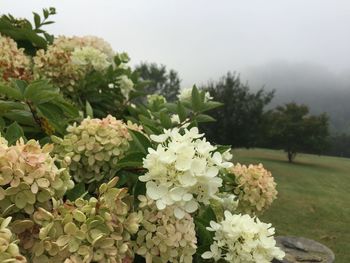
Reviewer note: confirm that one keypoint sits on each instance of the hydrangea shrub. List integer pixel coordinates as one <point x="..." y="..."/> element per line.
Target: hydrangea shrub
<point x="136" y="183"/>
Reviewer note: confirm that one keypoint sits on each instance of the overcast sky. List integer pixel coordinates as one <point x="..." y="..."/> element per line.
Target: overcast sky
<point x="204" y="39"/>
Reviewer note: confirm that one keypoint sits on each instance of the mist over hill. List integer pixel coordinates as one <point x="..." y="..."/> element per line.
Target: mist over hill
<point x="313" y="85"/>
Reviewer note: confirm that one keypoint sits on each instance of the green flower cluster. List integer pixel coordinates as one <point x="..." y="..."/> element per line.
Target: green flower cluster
<point x="163" y="237"/>
<point x="94" y="230"/>
<point x="29" y="177"/>
<point x="92" y="149"/>
<point x="9" y="251"/>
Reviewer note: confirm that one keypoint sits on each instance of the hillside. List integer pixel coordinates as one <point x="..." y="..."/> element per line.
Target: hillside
<point x="313" y="199"/>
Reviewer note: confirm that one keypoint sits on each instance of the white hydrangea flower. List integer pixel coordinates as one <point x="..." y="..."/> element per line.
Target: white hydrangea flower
<point x="156" y="97"/>
<point x="228" y="202"/>
<point x="243" y="239"/>
<point x="207" y="96"/>
<point x="186" y="94"/>
<point x="126" y="85"/>
<point x="89" y="56"/>
<point x="182" y="171"/>
<point x="227" y="155"/>
<point x="175" y="119"/>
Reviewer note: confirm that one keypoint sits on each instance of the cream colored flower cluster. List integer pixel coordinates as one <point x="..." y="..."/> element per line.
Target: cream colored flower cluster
<point x="29" y="176"/>
<point x="69" y="59"/>
<point x="95" y="230"/>
<point x="256" y="188"/>
<point x="9" y="251"/>
<point x="163" y="237"/>
<point x="91" y="58"/>
<point x="241" y="239"/>
<point x="183" y="170"/>
<point x="93" y="148"/>
<point x="13" y="62"/>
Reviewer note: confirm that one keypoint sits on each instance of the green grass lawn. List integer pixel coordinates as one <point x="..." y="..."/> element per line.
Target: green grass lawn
<point x="313" y="197"/>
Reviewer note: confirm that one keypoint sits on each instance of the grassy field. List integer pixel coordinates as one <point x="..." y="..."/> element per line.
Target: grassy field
<point x="313" y="199"/>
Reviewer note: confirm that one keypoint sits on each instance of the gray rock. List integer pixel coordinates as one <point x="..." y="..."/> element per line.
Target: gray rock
<point x="302" y="250"/>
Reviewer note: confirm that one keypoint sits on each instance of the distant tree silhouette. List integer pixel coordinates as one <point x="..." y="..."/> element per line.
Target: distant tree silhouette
<point x="239" y="122"/>
<point x="292" y="129"/>
<point x="160" y="80"/>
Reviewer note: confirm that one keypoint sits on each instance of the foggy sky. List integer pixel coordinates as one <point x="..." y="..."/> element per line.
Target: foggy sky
<point x="204" y="39"/>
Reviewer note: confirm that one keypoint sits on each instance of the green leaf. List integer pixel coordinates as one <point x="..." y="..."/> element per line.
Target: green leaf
<point x="139" y="189"/>
<point x="131" y="160"/>
<point x="2" y="124"/>
<point x="223" y="148"/>
<point x="165" y="120"/>
<point x="127" y="179"/>
<point x="147" y="121"/>
<point x="204" y="118"/>
<point x="69" y="110"/>
<point x="20" y="85"/>
<point x="205" y="237"/>
<point x="37" y="20"/>
<point x="13" y="133"/>
<point x="206" y="215"/>
<point x="196" y="99"/>
<point x="78" y="191"/>
<point x="88" y="109"/>
<point x="172" y="107"/>
<point x="23" y="117"/>
<point x="40" y="92"/>
<point x="151" y="130"/>
<point x="181" y="111"/>
<point x="11" y="92"/>
<point x="211" y="105"/>
<point x="45" y="13"/>
<point x="6" y="106"/>
<point x="54" y="115"/>
<point x="140" y="141"/>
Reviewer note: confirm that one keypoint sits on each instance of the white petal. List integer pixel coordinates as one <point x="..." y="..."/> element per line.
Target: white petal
<point x="187" y="179"/>
<point x="191" y="206"/>
<point x="159" y="138"/>
<point x="179" y="213"/>
<point x="207" y="255"/>
<point x="198" y="166"/>
<point x="177" y="193"/>
<point x="217" y="158"/>
<point x="183" y="163"/>
<point x="168" y="157"/>
<point x="155" y="192"/>
<point x="160" y="204"/>
<point x="187" y="197"/>
<point x="212" y="171"/>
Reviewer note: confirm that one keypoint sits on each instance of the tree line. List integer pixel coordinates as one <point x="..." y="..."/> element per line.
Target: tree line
<point x="244" y="121"/>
